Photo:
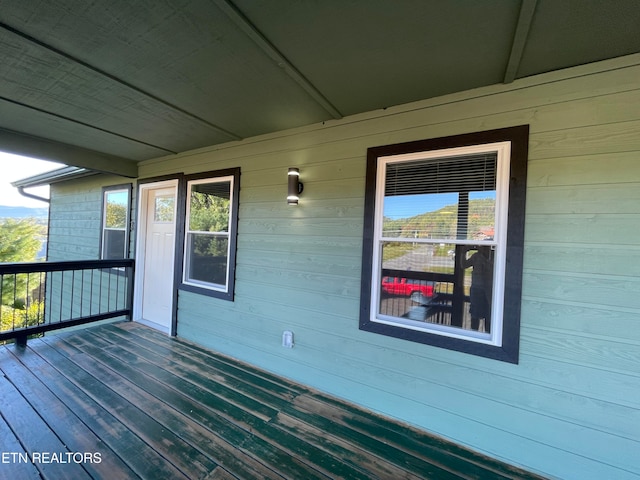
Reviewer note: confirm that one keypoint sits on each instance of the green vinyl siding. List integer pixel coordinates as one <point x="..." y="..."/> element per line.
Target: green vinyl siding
<point x="571" y="407"/>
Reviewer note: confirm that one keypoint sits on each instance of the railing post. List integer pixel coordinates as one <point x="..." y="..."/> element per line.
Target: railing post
<point x="21" y="341"/>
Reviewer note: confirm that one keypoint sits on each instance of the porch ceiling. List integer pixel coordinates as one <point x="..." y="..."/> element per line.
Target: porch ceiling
<point x="133" y="80"/>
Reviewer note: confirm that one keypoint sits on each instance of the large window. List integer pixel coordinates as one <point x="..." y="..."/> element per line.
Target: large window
<point x="115" y="222"/>
<point x="442" y="258"/>
<point x="210" y="233"/>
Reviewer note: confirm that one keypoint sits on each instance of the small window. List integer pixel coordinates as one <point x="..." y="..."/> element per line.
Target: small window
<point x="115" y="222"/>
<point x="442" y="258"/>
<point x="163" y="209"/>
<point x="210" y="234"/>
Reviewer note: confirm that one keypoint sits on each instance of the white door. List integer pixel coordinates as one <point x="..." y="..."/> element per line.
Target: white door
<point x="156" y="253"/>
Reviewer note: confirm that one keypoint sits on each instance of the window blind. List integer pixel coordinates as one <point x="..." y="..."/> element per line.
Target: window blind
<point x="467" y="173"/>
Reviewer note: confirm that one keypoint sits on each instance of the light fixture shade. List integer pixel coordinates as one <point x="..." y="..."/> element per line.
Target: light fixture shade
<point x="294" y="186"/>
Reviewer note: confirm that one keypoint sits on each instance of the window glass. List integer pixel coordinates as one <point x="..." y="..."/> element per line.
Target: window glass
<point x="439" y="204"/>
<point x="207" y="256"/>
<point x="163" y="209"/>
<point x="113" y="246"/>
<point x="437" y="219"/>
<point x="115" y="220"/>
<point x="117" y="205"/>
<point x="209" y="207"/>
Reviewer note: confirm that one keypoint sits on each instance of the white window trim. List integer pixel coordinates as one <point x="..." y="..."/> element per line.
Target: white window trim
<point x="194" y="283"/>
<point x="503" y="150"/>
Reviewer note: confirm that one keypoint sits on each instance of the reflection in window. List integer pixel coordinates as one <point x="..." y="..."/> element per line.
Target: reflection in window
<point x="207" y="233"/>
<point x="438" y="214"/>
<point x="115" y="219"/>
<point x="164" y="209"/>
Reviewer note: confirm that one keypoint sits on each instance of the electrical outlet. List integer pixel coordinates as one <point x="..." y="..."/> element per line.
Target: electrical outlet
<point x="287" y="339"/>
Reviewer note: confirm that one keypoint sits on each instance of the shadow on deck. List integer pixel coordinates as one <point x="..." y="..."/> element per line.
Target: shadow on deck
<point x="122" y="401"/>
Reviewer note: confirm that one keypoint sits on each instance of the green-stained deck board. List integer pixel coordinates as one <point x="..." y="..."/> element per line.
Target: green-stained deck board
<point x="157" y="407"/>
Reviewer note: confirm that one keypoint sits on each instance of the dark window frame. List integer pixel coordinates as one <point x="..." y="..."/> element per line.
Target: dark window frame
<point x="229" y="294"/>
<point x="508" y="351"/>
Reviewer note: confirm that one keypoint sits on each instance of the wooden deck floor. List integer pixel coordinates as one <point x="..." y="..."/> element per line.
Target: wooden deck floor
<point x="122" y="401"/>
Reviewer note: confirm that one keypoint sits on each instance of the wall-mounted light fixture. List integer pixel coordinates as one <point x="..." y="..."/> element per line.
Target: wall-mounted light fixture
<point x="295" y="186"/>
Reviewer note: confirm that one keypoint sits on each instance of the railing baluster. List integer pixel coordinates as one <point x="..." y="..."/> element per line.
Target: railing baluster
<point x="109" y="290"/>
<point x="72" y="298"/>
<point x="15" y="286"/>
<point x="100" y="290"/>
<point x="91" y="294"/>
<point x="61" y="295"/>
<point x="81" y="291"/>
<point x="42" y="288"/>
<point x="117" y="290"/>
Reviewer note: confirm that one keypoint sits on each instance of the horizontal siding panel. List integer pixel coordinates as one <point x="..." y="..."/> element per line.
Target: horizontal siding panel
<point x="302" y="226"/>
<point x="575" y="317"/>
<point x="605" y="229"/>
<point x="598" y="290"/>
<point x="613" y="355"/>
<point x="329" y="208"/>
<point x="581" y="199"/>
<point x="293" y="281"/>
<point x="606" y="168"/>
<point x="304" y="262"/>
<point x="583" y="258"/>
<point x="301" y="299"/>
<point x="597" y="139"/>
<point x="319" y="244"/>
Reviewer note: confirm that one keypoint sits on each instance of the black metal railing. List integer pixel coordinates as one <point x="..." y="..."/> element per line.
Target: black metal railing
<point x="45" y="296"/>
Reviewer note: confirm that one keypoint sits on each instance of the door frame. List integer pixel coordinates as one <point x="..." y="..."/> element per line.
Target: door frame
<point x="144" y="186"/>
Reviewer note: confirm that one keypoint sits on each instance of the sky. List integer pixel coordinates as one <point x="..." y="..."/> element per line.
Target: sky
<point x="14" y="167"/>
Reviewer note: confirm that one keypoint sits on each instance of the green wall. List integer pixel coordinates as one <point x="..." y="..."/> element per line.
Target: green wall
<point x="571" y="407"/>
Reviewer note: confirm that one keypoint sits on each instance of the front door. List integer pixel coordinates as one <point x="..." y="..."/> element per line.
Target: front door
<point x="156" y="253"/>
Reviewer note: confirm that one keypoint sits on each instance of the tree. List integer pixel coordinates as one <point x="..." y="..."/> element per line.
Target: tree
<point x="19" y="240"/>
<point x="18" y="243"/>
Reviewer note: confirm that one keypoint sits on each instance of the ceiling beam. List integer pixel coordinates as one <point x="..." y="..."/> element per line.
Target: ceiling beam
<point x="36" y="147"/>
<point x="527" y="11"/>
<point x="244" y="24"/>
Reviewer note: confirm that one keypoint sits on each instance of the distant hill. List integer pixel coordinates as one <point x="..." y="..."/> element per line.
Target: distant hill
<point x="442" y="223"/>
<point x="24" y="212"/>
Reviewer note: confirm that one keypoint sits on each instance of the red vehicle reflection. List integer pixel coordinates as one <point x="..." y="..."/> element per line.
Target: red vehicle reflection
<point x="407" y="287"/>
